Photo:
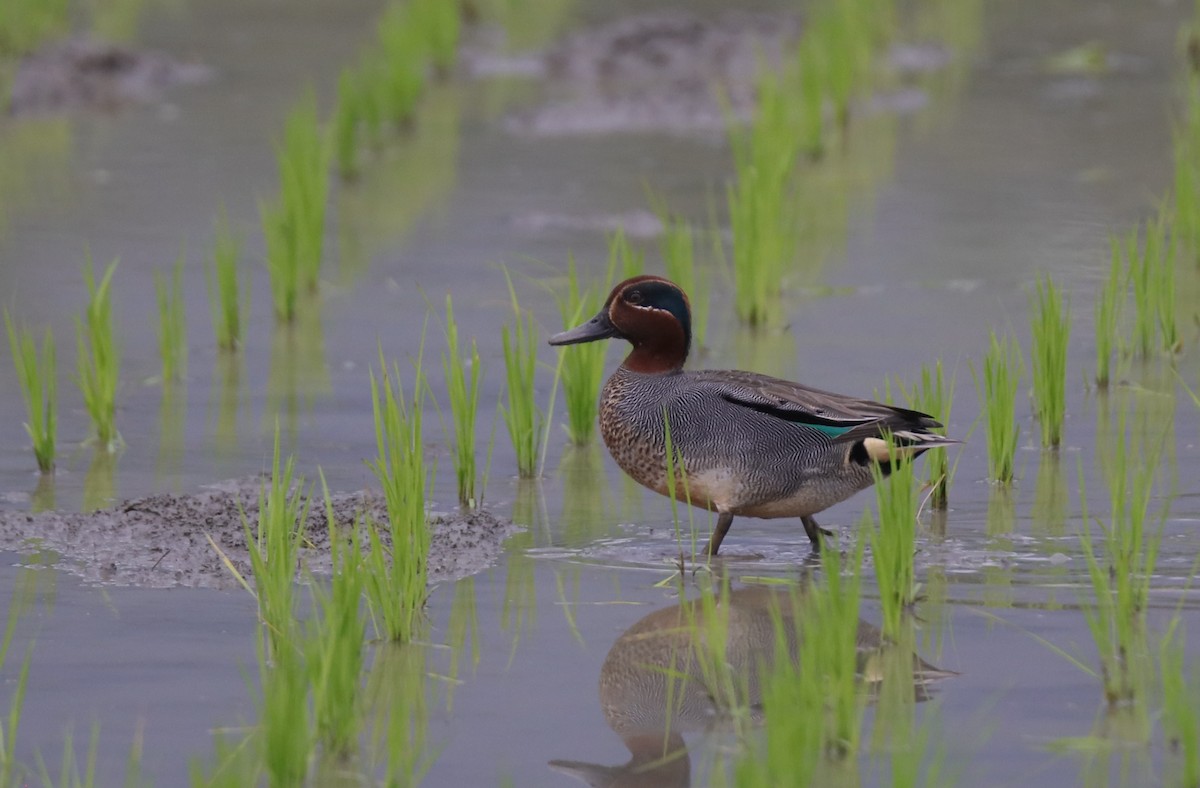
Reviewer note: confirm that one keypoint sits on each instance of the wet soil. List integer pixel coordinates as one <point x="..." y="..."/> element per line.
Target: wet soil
<point x="163" y="541"/>
<point x="89" y="74"/>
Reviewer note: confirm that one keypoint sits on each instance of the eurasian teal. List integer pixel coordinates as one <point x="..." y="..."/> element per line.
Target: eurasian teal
<point x="750" y="445"/>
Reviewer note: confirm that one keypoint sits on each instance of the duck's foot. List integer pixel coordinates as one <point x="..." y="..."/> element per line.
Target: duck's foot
<point x="724" y="520"/>
<point x="814" y="532"/>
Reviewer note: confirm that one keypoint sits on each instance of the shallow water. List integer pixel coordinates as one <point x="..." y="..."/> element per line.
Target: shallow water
<point x="1005" y="172"/>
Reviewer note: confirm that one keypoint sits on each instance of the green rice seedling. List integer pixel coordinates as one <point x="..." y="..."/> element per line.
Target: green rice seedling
<point x="24" y="24"/>
<point x="1107" y="316"/>
<point x="396" y="583"/>
<point x="274" y="544"/>
<point x="227" y="304"/>
<point x="893" y="542"/>
<point x="623" y="257"/>
<point x="1051" y="333"/>
<point x="462" y="387"/>
<point x="582" y="365"/>
<point x="521" y="415"/>
<point x="99" y="358"/>
<point x="1151" y="275"/>
<point x="998" y="394"/>
<point x="1122" y="565"/>
<point x="930" y="394"/>
<point x="762" y="222"/>
<point x="679" y="258"/>
<point x="294" y="225"/>
<point x="439" y="26"/>
<point x="69" y="774"/>
<point x="1181" y="708"/>
<point x="38" y="379"/>
<point x="397" y="73"/>
<point x="334" y="641"/>
<point x="172" y="324"/>
<point x="814" y="703"/>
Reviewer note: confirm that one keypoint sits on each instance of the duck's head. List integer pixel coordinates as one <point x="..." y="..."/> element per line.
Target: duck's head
<point x="652" y="314"/>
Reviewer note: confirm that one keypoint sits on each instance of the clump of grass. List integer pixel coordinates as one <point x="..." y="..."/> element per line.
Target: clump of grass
<point x="396" y="575"/>
<point x="172" y="324"/>
<point x="1181" y="708"/>
<point x="462" y="387"/>
<point x="998" y="392"/>
<point x="24" y="24"/>
<point x="346" y="121"/>
<point x="274" y="545"/>
<point x="931" y="394"/>
<point x="226" y="303"/>
<point x="623" y="257"/>
<point x="582" y="365"/>
<point x="1151" y="277"/>
<point x="894" y="541"/>
<point x="294" y="225"/>
<point x="99" y="357"/>
<point x="1051" y="333"/>
<point x="1107" y="317"/>
<point x="1122" y="565"/>
<point x="396" y="77"/>
<point x="439" y="26"/>
<point x="38" y="379"/>
<point x="679" y="259"/>
<point x="521" y="415"/>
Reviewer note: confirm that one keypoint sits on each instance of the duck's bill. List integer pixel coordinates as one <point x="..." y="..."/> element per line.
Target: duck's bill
<point x="599" y="327"/>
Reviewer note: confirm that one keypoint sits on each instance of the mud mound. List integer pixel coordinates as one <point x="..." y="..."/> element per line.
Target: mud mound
<point x="163" y="541"/>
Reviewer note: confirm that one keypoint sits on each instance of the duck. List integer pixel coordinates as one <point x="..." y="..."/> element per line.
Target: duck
<point x="747" y="444"/>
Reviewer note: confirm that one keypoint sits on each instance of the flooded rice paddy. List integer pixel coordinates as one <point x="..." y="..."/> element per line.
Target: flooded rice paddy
<point x="1010" y="142"/>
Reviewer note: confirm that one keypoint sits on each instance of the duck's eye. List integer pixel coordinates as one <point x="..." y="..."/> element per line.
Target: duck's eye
<point x="633" y="297"/>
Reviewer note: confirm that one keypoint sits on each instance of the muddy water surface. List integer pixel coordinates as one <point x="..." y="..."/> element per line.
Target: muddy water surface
<point x="932" y="234"/>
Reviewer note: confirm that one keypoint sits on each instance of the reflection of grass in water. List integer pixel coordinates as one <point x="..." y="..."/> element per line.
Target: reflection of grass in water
<point x="405" y="181"/>
<point x="1181" y="708"/>
<point x="172" y="323"/>
<point x="227" y="304"/>
<point x="44" y="495"/>
<point x="1121" y="565"/>
<point x="582" y="364"/>
<point x="893" y="542"/>
<point x="518" y="612"/>
<point x="10" y="723"/>
<point x="1050" y="332"/>
<point x="294" y="223"/>
<point x="586" y="494"/>
<point x="172" y="414"/>
<point x="99" y="357"/>
<point x="37" y="377"/>
<point x="398" y="693"/>
<point x="813" y="704"/>
<point x="998" y="392"/>
<point x="462" y="635"/>
<point x="99" y="483"/>
<point x="225" y="399"/>
<point x="1050" y="497"/>
<point x="297" y="367"/>
<point x="998" y="574"/>
<point x="396" y="575"/>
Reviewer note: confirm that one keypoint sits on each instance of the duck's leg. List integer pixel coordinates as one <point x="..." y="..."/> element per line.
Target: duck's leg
<point x="724" y="520"/>
<point x="814" y="531"/>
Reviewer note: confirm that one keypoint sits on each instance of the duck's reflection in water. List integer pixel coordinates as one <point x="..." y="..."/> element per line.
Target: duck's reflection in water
<point x="654" y="688"/>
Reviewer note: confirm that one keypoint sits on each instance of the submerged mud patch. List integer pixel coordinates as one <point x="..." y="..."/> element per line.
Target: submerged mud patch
<point x="162" y="541"/>
<point x="86" y="73"/>
<point x="659" y="72"/>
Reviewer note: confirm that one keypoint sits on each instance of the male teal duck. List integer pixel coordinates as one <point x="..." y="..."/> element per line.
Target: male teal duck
<point x="750" y="445"/>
